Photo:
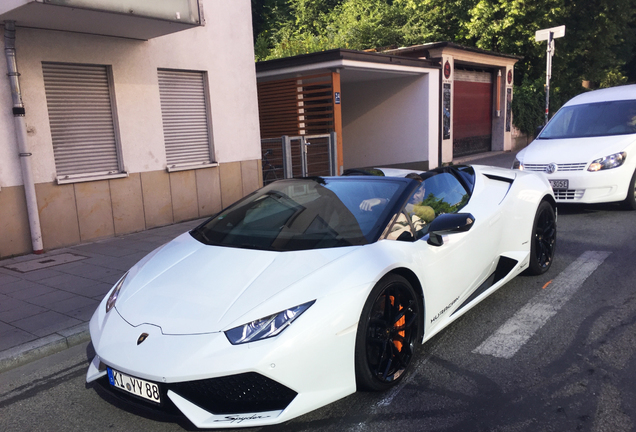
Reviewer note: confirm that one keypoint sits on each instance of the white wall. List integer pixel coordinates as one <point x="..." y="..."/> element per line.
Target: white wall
<point x="391" y="121"/>
<point x="223" y="48"/>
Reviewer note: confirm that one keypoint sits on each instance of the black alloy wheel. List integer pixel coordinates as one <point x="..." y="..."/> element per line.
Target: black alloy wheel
<point x="388" y="331"/>
<point x="544" y="233"/>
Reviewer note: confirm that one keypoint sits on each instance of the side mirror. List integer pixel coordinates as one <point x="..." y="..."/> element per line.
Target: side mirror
<point x="538" y="130"/>
<point x="448" y="223"/>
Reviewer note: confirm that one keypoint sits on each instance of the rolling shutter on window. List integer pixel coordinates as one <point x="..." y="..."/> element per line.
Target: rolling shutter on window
<point x="185" y="117"/>
<point x="81" y="117"/>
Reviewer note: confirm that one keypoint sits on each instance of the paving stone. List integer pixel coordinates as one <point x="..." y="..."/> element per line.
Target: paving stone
<point x="18" y="285"/>
<point x="52" y="297"/>
<point x="107" y="249"/>
<point x="146" y="246"/>
<point x="84" y="313"/>
<point x="46" y="323"/>
<point x="112" y="280"/>
<point x="94" y="291"/>
<point x="29" y="289"/>
<point x="93" y="272"/>
<point x="73" y="303"/>
<point x="14" y="337"/>
<point x="6" y="279"/>
<point x="69" y="282"/>
<point x="19" y="313"/>
<point x="45" y="261"/>
<point x="7" y="303"/>
<point x="38" y="275"/>
<point x="124" y="264"/>
<point x="4" y="327"/>
<point x="20" y="259"/>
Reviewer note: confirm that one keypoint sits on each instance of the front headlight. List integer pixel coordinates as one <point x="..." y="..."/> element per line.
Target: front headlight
<point x="110" y="303"/>
<point x="608" y="162"/>
<point x="517" y="165"/>
<point x="266" y="327"/>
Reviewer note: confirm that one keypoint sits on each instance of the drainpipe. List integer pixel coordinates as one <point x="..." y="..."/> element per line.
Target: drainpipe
<point x="20" y="131"/>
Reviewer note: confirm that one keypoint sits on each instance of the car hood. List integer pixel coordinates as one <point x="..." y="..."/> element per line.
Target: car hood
<point x="187" y="287"/>
<point x="573" y="150"/>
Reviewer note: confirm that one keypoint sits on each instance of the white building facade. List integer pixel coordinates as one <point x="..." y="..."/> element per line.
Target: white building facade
<point x="132" y="120"/>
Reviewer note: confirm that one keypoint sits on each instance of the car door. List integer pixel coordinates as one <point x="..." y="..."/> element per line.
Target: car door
<point x="452" y="271"/>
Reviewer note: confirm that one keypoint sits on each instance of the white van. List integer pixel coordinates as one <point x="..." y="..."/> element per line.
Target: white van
<point x="588" y="149"/>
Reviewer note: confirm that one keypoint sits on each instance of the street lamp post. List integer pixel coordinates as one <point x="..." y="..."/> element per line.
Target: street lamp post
<point x="549" y="35"/>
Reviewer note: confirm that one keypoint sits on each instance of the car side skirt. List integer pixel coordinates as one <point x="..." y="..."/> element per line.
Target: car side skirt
<point x="504" y="266"/>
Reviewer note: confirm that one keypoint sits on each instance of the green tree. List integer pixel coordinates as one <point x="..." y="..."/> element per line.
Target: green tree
<point x="598" y="45"/>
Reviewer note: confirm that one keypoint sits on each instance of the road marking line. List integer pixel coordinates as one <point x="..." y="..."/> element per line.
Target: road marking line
<point x="512" y="335"/>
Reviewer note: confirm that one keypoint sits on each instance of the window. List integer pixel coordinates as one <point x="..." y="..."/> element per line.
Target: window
<point x="592" y="120"/>
<point x="186" y="124"/>
<point x="303" y="214"/>
<point x="438" y="194"/>
<point x="82" y="119"/>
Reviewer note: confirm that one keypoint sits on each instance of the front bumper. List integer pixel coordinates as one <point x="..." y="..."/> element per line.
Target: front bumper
<point x="216" y="384"/>
<point x="587" y="187"/>
<point x="215" y="402"/>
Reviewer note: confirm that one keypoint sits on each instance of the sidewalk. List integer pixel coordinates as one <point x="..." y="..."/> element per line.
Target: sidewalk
<point x="46" y="301"/>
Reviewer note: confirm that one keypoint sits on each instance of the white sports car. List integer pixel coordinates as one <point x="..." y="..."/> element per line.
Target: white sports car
<point x="309" y="289"/>
<point x="588" y="149"/>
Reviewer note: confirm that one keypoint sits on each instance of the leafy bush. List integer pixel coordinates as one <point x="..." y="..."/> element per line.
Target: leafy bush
<point x="528" y="106"/>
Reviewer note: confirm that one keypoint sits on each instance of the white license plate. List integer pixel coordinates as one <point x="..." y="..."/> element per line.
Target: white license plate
<point x="559" y="184"/>
<point x="136" y="386"/>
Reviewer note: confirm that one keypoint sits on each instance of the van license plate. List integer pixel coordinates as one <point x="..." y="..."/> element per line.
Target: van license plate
<point x="559" y="184"/>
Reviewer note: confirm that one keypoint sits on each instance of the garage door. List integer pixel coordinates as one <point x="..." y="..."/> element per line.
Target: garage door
<point x="472" y="116"/>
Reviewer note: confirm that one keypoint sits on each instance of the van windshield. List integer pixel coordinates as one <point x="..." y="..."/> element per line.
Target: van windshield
<point x="592" y="120"/>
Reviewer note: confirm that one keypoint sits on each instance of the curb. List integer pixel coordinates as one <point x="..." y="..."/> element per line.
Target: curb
<point x="43" y="347"/>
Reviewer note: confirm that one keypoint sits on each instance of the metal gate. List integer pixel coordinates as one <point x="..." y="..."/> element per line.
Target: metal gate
<point x="299" y="156"/>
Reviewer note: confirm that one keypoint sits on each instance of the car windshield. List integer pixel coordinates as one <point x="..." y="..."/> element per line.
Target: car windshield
<point x="300" y="214"/>
<point x="592" y="120"/>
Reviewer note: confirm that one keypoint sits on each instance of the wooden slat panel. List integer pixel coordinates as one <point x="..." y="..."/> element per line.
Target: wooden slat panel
<point x="292" y="106"/>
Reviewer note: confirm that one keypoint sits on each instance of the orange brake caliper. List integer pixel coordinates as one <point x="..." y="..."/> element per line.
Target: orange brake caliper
<point x="399" y="323"/>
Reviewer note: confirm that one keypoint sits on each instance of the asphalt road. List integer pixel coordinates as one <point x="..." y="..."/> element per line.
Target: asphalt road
<point x="574" y="372"/>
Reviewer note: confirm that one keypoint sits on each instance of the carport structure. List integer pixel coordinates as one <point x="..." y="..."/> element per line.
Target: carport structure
<point x="325" y="112"/>
<point x="476" y="97"/>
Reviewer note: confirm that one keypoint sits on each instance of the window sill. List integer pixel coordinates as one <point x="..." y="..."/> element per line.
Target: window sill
<point x="191" y="166"/>
<point x="89" y="177"/>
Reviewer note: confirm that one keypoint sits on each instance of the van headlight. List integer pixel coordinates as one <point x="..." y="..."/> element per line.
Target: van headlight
<point x="517" y="164"/>
<point x="608" y="162"/>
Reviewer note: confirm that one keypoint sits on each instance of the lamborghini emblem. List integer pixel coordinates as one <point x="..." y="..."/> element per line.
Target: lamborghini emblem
<point x="142" y="338"/>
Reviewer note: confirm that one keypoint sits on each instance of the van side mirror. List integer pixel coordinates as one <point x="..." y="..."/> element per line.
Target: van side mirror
<point x="448" y="223"/>
<point x="538" y="130"/>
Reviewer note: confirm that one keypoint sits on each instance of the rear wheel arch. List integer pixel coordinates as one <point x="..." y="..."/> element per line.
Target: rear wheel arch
<point x="543" y="238"/>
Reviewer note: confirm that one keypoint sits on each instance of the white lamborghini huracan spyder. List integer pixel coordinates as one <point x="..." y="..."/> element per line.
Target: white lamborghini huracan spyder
<point x="308" y="289"/>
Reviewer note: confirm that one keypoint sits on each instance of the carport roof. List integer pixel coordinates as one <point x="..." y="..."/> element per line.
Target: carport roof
<point x="411" y="50"/>
<point x="356" y="65"/>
